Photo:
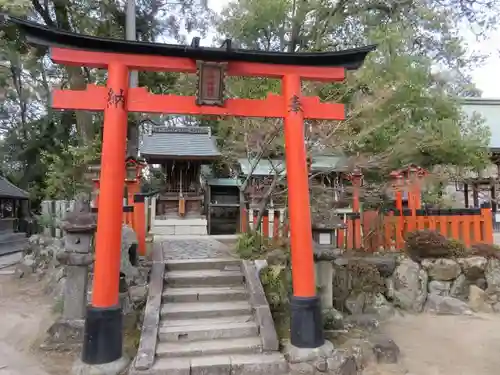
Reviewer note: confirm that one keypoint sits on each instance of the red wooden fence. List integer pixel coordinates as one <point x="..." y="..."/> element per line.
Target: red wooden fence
<point x="372" y="230"/>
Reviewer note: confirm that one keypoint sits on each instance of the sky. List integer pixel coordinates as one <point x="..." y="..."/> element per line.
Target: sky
<point x="485" y="76"/>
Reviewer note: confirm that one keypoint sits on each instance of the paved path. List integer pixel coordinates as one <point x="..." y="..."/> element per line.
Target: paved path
<point x="193" y="248"/>
<point x="26" y="315"/>
<point x="446" y="345"/>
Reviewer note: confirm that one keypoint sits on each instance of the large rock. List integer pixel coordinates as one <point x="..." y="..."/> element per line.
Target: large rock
<point x="342" y="363"/>
<point x="442" y="269"/>
<point x="460" y="288"/>
<point x="444" y="305"/>
<point x="492" y="275"/>
<point x="496" y="307"/>
<point x="385" y="349"/>
<point x="441" y="288"/>
<point x="362" y="351"/>
<point x="355" y="302"/>
<point x="332" y="319"/>
<point x="376" y="304"/>
<point x="410" y="286"/>
<point x="129" y="240"/>
<point x="473" y="267"/>
<point x="478" y="300"/>
<point x="302" y="368"/>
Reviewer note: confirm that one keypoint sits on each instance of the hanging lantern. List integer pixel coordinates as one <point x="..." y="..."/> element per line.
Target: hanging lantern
<point x="210" y="83"/>
<point x="133" y="168"/>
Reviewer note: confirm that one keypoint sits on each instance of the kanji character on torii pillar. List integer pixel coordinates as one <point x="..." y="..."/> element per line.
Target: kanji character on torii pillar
<point x="103" y="324"/>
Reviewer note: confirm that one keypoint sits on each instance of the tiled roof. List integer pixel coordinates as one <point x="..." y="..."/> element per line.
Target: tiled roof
<point x="165" y="141"/>
<point x="269" y="167"/>
<point x="489" y="110"/>
<point x="263" y="168"/>
<point x="9" y="190"/>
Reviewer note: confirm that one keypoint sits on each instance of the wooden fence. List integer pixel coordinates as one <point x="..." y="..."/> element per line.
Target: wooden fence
<point x="53" y="212"/>
<point x="468" y="225"/>
<point x="374" y="231"/>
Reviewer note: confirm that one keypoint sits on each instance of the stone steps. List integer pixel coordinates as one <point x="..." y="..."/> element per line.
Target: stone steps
<point x="207" y="321"/>
<point x="242" y="345"/>
<point x="196" y="331"/>
<point x="235" y="364"/>
<point x="207" y="324"/>
<point x="208" y="277"/>
<point x="236" y="293"/>
<point x="201" y="310"/>
<point x="202" y="264"/>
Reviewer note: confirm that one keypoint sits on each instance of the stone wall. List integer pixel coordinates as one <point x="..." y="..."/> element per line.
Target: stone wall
<point x="378" y="284"/>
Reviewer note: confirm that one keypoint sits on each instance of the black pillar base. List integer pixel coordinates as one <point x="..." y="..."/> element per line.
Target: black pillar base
<point x="103" y="335"/>
<point x="306" y="324"/>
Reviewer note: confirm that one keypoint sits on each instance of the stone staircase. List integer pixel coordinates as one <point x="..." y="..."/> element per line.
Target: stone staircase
<point x="207" y="323"/>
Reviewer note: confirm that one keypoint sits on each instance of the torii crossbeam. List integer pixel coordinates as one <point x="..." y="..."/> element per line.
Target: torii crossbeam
<point x="103" y="335"/>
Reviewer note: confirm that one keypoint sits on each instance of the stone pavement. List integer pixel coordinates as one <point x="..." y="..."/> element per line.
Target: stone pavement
<point x="198" y="247"/>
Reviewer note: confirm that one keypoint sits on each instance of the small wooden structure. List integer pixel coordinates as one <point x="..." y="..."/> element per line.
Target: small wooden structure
<point x="180" y="151"/>
<point x="14" y="205"/>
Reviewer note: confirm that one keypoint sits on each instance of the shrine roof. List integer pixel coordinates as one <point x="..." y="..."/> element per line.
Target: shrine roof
<point x="263" y="168"/>
<point x="48" y="36"/>
<point x="178" y="142"/>
<point x="326" y="163"/>
<point x="9" y="190"/>
<point x="323" y="163"/>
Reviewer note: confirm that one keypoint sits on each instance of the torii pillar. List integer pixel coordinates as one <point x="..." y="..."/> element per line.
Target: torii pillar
<point x="103" y="326"/>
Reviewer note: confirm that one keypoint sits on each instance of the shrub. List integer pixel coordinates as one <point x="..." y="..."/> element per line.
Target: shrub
<point x="277" y="283"/>
<point x="365" y="277"/>
<point x="458" y="248"/>
<point x="431" y="244"/>
<point x="248" y="245"/>
<point x="486" y="250"/>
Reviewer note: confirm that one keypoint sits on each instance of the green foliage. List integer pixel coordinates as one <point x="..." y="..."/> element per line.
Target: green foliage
<point x="486" y="250"/>
<point x="66" y="171"/>
<point x="46" y="221"/>
<point x="248" y="245"/>
<point x="44" y="151"/>
<point x="365" y="277"/>
<point x="277" y="282"/>
<point x="427" y="243"/>
<point x="401" y="109"/>
<point x="457" y="248"/>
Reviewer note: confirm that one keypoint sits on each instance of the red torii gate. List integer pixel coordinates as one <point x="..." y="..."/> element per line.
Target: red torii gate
<point x="103" y="336"/>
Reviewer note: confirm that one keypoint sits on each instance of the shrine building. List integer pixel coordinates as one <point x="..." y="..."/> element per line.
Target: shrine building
<point x="179" y="152"/>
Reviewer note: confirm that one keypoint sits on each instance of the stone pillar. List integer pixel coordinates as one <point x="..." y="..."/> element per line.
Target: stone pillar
<point x="324" y="280"/>
<point x="79" y="227"/>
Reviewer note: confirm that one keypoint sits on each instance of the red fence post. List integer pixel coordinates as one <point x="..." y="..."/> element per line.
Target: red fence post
<point x="265" y="225"/>
<point x="140" y="222"/>
<point x="487" y="218"/>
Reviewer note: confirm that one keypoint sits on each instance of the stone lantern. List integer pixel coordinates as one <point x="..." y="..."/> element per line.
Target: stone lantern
<point x="325" y="233"/>
<point x="79" y="227"/>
